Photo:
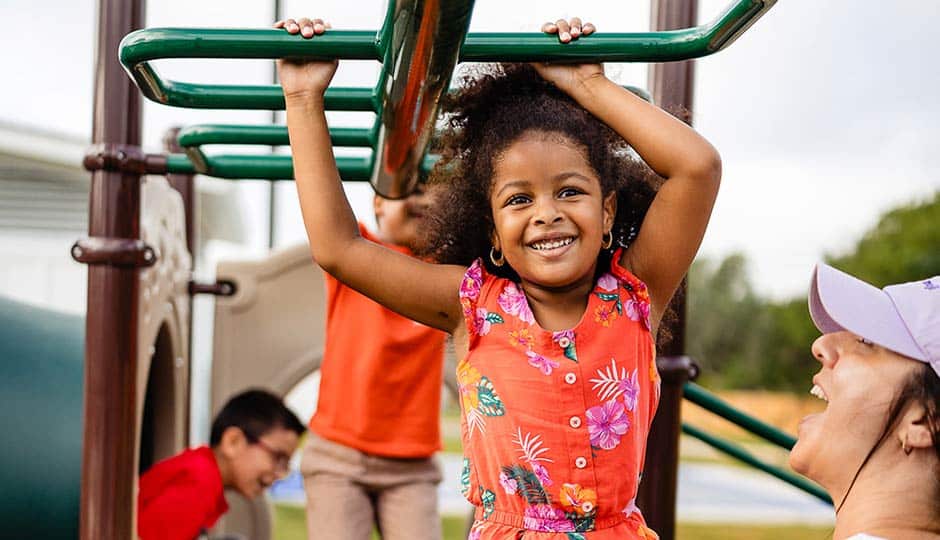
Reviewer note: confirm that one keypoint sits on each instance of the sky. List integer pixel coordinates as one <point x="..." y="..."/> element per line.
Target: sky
<point x="825" y="113"/>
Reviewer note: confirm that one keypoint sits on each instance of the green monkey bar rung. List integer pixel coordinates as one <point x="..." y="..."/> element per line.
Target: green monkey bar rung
<point x="743" y="455"/>
<point x="710" y="402"/>
<point x="192" y="138"/>
<point x="141" y="47"/>
<point x="268" y="135"/>
<point x="272" y="167"/>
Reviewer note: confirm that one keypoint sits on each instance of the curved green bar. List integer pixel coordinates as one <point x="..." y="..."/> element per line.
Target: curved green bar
<point x="41" y="382"/>
<point x="710" y="402"/>
<point x="272" y="167"/>
<point x="198" y="135"/>
<point x="139" y="48"/>
<point x="739" y="453"/>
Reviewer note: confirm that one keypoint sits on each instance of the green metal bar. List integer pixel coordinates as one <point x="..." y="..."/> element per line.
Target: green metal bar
<point x="708" y="401"/>
<point x="739" y="453"/>
<point x="267" y="135"/>
<point x="271" y="167"/>
<point x="263" y="167"/>
<point x="140" y="48"/>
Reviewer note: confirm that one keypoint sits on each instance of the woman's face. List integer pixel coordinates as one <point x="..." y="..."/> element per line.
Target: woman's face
<point x="859" y="380"/>
<point x="548" y="210"/>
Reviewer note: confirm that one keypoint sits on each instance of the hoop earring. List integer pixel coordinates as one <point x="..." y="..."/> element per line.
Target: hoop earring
<point x="607" y="240"/>
<point x="497" y="262"/>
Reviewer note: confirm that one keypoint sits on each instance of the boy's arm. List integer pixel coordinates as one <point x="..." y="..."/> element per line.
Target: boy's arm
<point x="675" y="223"/>
<point x="179" y="513"/>
<point x="421" y="291"/>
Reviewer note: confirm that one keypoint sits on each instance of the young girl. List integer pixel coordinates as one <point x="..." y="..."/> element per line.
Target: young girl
<point x="555" y="316"/>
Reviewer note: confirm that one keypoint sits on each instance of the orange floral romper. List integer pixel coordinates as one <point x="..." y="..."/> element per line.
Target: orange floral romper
<point x="554" y="424"/>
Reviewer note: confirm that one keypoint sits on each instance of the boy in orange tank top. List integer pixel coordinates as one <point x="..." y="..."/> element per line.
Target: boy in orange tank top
<point x="368" y="463"/>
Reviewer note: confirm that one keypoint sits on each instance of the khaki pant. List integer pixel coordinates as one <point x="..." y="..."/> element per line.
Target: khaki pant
<point x="350" y="492"/>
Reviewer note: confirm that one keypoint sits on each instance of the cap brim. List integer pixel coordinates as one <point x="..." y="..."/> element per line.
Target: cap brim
<point x="838" y="301"/>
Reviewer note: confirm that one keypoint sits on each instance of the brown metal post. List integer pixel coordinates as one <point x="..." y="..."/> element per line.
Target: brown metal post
<point x="109" y="438"/>
<point x="672" y="88"/>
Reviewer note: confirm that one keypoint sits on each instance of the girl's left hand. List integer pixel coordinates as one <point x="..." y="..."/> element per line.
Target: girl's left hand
<point x="568" y="77"/>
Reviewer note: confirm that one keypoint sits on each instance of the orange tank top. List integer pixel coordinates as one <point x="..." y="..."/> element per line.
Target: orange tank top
<point x="554" y="424"/>
<point x="381" y="377"/>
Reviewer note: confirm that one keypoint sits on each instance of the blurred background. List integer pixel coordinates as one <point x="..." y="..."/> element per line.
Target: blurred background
<point x="825" y="114"/>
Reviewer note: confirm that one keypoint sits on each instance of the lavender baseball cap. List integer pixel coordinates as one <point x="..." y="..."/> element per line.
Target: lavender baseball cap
<point x="904" y="318"/>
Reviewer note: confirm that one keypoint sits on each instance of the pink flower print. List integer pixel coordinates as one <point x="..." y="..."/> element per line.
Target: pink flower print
<point x="545" y="518"/>
<point x="509" y="484"/>
<point x="604" y="315"/>
<point x="543" y="364"/>
<point x="541" y="473"/>
<point x="639" y="310"/>
<point x="607" y="282"/>
<point x="606" y="424"/>
<point x="513" y="302"/>
<point x="472" y="281"/>
<point x="631" y="507"/>
<point x="476" y="530"/>
<point x="630" y="388"/>
<point x="481" y="326"/>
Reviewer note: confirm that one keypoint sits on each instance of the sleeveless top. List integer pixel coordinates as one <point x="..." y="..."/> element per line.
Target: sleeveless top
<point x="554" y="424"/>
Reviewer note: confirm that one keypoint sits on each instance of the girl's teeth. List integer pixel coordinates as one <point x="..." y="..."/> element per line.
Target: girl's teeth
<point x="552" y="245"/>
<point x="818" y="392"/>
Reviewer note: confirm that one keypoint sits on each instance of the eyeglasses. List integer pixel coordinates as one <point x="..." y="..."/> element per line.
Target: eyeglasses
<point x="281" y="458"/>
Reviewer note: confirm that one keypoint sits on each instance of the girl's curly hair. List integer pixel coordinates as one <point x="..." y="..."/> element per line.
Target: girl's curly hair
<point x="495" y="105"/>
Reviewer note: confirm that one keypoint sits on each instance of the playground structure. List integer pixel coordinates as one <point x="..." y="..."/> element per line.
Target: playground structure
<point x="140" y="243"/>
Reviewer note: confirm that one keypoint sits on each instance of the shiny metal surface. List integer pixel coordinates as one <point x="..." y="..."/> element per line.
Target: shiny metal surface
<point x="422" y="52"/>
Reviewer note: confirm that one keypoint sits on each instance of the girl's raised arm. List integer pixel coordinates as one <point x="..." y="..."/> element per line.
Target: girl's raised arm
<point x="418" y="290"/>
<point x="675" y="223"/>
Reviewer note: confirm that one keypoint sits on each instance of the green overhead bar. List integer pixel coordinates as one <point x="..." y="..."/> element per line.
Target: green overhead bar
<point x="193" y="138"/>
<point x="418" y="45"/>
<point x="140" y="48"/>
<point x="273" y="166"/>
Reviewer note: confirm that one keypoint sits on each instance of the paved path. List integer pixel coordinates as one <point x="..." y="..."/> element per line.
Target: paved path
<point x="707" y="493"/>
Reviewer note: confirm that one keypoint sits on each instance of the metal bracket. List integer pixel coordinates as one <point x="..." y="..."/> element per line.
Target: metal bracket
<point x="126" y="252"/>
<point x="123" y="158"/>
<point x="222" y="287"/>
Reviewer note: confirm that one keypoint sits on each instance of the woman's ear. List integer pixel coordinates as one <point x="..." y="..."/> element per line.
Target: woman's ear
<point x="610" y="210"/>
<point x="914" y="430"/>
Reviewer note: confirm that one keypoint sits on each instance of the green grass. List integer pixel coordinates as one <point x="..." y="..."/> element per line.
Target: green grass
<point x="290" y="524"/>
<point x="712" y="531"/>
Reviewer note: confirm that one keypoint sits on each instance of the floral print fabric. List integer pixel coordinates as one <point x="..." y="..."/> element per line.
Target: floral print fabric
<point x="554" y="424"/>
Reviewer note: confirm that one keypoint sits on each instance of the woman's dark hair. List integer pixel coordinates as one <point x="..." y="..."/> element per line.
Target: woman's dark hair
<point x="921" y="387"/>
<point x="495" y="105"/>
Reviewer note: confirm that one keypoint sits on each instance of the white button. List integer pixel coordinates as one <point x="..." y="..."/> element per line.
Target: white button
<point x="574" y="422"/>
<point x="587" y="506"/>
<point x="570" y="378"/>
<point x="564" y="342"/>
<point x="580" y="463"/>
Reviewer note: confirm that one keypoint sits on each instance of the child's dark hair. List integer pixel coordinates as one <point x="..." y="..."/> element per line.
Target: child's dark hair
<point x="495" y="105"/>
<point x="255" y="412"/>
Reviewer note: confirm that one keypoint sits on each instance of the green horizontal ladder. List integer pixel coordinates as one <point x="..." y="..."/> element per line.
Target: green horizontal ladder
<point x="712" y="403"/>
<point x="140" y="48"/>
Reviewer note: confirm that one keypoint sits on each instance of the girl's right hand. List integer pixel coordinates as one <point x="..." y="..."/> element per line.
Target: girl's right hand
<point x="301" y="77"/>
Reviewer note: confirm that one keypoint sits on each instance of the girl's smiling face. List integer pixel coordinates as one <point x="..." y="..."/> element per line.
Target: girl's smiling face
<point x="549" y="212"/>
<point x="860" y="382"/>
